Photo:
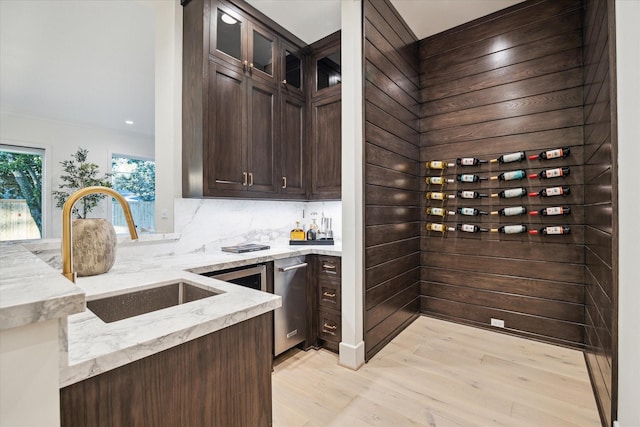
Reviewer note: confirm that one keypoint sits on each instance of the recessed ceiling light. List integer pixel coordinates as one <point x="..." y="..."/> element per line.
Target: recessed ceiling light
<point x="129" y="122"/>
<point x="227" y="19"/>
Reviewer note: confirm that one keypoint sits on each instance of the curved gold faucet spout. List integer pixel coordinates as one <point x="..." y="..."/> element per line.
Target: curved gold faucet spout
<point x="67" y="253"/>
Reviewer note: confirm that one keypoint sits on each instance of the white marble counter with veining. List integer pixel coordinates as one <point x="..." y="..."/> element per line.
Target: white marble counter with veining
<point x="91" y="346"/>
<point x="95" y="346"/>
<point x="31" y="291"/>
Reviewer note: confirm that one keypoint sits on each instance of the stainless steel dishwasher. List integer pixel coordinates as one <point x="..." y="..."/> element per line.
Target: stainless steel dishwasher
<point x="290" y="320"/>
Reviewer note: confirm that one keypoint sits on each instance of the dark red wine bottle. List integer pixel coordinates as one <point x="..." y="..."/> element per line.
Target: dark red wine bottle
<point x="551" y="173"/>
<point x="552" y="191"/>
<point x="469" y="161"/>
<point x="466" y="177"/>
<point x="558" y="153"/>
<point x="564" y="229"/>
<point x="510" y="229"/>
<point x="470" y="212"/>
<point x="470" y="228"/>
<point x="555" y="210"/>
<point x="513" y="211"/>
<point x="469" y="194"/>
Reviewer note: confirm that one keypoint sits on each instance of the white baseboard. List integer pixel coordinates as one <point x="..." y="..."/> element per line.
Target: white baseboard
<point x="616" y="424"/>
<point x="352" y="357"/>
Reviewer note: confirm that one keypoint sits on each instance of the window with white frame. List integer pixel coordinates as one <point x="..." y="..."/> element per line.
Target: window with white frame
<point x="135" y="179"/>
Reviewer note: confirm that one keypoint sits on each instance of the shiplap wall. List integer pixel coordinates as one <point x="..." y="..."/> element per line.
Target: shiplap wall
<point x="392" y="201"/>
<point x="507" y="82"/>
<point x="600" y="177"/>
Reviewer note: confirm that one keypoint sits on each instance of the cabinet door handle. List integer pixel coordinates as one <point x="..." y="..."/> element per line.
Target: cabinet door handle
<point x="244" y="65"/>
<point x="251" y="68"/>
<point x="329" y="328"/>
<point x="284" y="182"/>
<point x="329" y="268"/>
<point x="284" y="82"/>
<point x="329" y="294"/>
<point x="250" y="179"/>
<point x="244" y="179"/>
<point x="292" y="267"/>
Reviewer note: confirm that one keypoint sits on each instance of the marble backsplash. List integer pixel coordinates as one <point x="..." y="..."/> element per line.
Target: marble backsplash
<point x="207" y="224"/>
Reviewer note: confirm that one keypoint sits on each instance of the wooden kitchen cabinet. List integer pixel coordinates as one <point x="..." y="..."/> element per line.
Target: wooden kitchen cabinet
<point x="328" y="284"/>
<point x="243" y="123"/>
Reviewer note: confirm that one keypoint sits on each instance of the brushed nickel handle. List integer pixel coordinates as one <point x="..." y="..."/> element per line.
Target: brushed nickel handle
<point x="244" y="179"/>
<point x="244" y="65"/>
<point x="284" y="82"/>
<point x="329" y="268"/>
<point x="284" y="182"/>
<point x="292" y="267"/>
<point x="251" y="68"/>
<point x="250" y="179"/>
<point x="329" y="294"/>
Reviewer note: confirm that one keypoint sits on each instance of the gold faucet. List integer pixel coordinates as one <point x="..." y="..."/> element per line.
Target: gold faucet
<point x="67" y="253"/>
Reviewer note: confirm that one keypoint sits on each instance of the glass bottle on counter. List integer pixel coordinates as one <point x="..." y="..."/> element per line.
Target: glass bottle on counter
<point x="312" y="231"/>
<point x="297" y="233"/>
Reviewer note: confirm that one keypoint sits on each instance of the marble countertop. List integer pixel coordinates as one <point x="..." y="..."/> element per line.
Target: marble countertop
<point x="33" y="291"/>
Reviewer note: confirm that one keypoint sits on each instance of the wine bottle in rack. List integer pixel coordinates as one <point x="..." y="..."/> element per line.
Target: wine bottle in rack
<point x="440" y="228"/>
<point x="558" y="153"/>
<point x="470" y="194"/>
<point x="438" y="212"/>
<point x="470" y="228"/>
<point x="551" y="173"/>
<point x="510" y="229"/>
<point x="512" y="211"/>
<point x="470" y="212"/>
<point x="511" y="176"/>
<point x="469" y="161"/>
<point x="468" y="177"/>
<point x="552" y="211"/>
<point x="552" y="191"/>
<point x="565" y="229"/>
<point x="508" y="158"/>
<point x="439" y="164"/>
<point x="438" y="195"/>
<point x="438" y="180"/>
<point x="510" y="193"/>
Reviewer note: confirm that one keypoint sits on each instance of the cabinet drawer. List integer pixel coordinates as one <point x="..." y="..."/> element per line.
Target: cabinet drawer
<point x="329" y="293"/>
<point x="329" y="266"/>
<point x="330" y="325"/>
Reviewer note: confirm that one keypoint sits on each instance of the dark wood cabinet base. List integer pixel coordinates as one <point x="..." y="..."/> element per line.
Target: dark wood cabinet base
<point x="221" y="379"/>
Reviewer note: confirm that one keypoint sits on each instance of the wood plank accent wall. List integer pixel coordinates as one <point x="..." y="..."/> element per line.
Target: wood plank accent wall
<point x="600" y="174"/>
<point x="507" y="82"/>
<point x="392" y="200"/>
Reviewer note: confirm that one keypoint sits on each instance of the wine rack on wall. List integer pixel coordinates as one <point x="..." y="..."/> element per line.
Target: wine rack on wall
<point x="512" y="194"/>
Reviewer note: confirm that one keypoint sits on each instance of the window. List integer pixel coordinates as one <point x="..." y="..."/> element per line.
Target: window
<point x="21" y="205"/>
<point x="135" y="179"/>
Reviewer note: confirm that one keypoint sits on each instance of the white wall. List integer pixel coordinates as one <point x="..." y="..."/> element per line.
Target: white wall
<point x="352" y="345"/>
<point x="628" y="64"/>
<point x="60" y="140"/>
<point x="29" y="395"/>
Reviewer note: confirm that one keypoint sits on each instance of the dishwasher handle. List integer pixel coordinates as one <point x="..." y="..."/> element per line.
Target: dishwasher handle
<point x="293" y="267"/>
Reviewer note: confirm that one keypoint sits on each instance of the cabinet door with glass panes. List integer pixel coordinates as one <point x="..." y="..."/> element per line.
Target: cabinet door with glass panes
<point x="245" y="44"/>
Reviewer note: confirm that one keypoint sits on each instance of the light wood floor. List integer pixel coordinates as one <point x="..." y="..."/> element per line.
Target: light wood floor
<point x="438" y="374"/>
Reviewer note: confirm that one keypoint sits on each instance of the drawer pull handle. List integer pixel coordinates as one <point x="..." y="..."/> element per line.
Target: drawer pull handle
<point x="329" y="328"/>
<point x="329" y="294"/>
<point x="329" y="268"/>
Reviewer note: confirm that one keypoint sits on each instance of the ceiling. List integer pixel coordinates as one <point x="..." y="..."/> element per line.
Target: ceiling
<point x="92" y="61"/>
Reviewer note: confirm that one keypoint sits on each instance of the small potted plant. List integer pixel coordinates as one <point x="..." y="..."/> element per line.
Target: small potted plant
<point x="93" y="239"/>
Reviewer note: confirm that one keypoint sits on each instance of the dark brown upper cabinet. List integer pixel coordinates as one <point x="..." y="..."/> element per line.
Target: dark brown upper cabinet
<point x="292" y="146"/>
<point x="244" y="43"/>
<point x="294" y="66"/>
<point x="326" y="75"/>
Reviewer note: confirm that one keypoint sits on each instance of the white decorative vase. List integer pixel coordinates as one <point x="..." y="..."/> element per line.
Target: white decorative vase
<point x="94" y="246"/>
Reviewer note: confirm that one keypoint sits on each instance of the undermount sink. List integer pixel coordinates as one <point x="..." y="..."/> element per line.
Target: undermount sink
<point x="131" y="304"/>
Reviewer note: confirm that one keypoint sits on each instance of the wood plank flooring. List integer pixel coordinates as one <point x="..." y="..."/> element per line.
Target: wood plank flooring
<point x="438" y="374"/>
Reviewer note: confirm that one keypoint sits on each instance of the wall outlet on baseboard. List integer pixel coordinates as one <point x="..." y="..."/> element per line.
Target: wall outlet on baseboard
<point x="497" y="323"/>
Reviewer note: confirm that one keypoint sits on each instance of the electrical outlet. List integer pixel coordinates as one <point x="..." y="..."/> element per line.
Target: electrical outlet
<point x="264" y="238"/>
<point x="499" y="323"/>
